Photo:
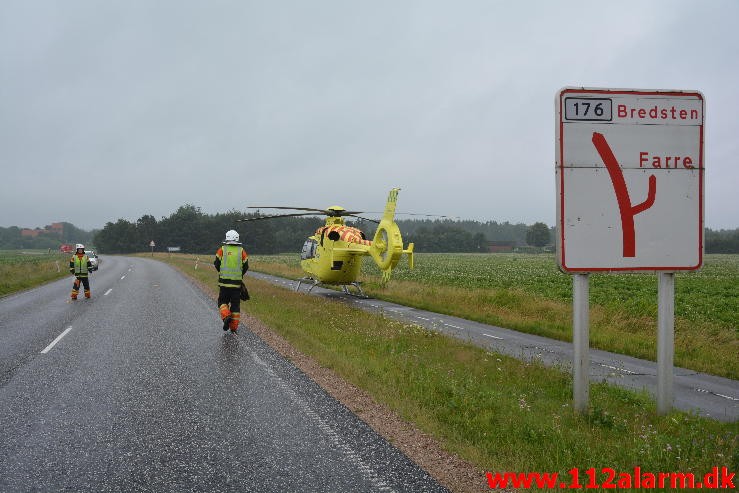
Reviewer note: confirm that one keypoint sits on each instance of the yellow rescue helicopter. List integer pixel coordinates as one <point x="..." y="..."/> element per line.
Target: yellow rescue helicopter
<point x="333" y="255"/>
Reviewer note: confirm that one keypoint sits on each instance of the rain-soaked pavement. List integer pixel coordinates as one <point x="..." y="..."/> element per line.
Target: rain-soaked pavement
<point x="139" y="389"/>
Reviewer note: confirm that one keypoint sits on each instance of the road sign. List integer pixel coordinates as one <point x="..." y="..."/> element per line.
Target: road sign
<point x="630" y="177"/>
<point x="152" y="244"/>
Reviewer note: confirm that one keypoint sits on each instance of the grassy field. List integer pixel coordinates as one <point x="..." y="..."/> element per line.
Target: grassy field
<point x="495" y="411"/>
<point x="528" y="293"/>
<point x="23" y="269"/>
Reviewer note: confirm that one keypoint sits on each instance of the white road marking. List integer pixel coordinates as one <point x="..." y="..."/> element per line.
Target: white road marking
<point x="122" y="278"/>
<point x="59" y="338"/>
<point x="455" y="326"/>
<point x="423" y="318"/>
<point x="728" y="397"/>
<point x="714" y="393"/>
<point x="490" y="335"/>
<point x="338" y="442"/>
<point x="108" y="292"/>
<point x="618" y="369"/>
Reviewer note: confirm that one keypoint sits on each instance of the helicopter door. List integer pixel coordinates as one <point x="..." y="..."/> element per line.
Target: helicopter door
<point x="309" y="249"/>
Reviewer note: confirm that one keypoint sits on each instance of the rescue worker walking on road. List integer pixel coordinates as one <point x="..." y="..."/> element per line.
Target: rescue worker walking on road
<point x="231" y="262"/>
<point x="80" y="266"/>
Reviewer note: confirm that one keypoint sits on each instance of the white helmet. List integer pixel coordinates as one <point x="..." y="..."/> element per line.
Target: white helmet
<point x="232" y="236"/>
<point x="79" y="245"/>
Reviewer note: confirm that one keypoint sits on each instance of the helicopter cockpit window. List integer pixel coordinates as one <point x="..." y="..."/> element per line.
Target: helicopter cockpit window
<point x="309" y="249"/>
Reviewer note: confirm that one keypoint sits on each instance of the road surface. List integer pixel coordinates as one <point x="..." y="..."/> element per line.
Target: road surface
<point x="139" y="389"/>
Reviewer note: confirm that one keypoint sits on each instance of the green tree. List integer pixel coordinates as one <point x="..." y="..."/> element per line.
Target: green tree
<point x="722" y="241"/>
<point x="538" y="235"/>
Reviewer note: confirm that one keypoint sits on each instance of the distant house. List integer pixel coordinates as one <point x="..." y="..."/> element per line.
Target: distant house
<point x="30" y="233"/>
<point x="54" y="229"/>
<point x="501" y="246"/>
<point x="57" y="228"/>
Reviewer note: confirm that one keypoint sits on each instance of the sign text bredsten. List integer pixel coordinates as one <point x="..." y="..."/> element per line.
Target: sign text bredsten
<point x="629" y="180"/>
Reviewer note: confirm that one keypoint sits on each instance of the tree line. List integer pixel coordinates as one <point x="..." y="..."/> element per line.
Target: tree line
<point x="12" y="239"/>
<point x="193" y="231"/>
<point x="196" y="232"/>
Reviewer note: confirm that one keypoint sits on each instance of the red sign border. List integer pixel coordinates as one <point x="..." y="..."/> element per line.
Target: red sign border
<point x="561" y="193"/>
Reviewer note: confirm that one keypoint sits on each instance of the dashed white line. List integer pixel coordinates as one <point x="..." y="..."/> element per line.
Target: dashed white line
<point x="108" y="292"/>
<point x="714" y="393"/>
<point x="490" y="335"/>
<point x="59" y="338"/>
<point x="728" y="397"/>
<point x="423" y="318"/>
<point x="455" y="326"/>
<point x="618" y="369"/>
<point x="122" y="278"/>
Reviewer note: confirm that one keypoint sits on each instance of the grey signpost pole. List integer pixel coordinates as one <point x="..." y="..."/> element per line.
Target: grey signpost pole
<point x="665" y="339"/>
<point x="580" y="341"/>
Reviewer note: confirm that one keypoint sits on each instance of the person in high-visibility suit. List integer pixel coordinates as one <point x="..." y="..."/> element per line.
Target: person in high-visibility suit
<point x="80" y="267"/>
<point x="231" y="262"/>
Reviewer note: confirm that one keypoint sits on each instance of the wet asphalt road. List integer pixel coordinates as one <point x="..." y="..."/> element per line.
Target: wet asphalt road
<point x="145" y="392"/>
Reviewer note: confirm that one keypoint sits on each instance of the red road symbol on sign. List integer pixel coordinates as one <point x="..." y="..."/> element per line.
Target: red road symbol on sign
<point x="622" y="194"/>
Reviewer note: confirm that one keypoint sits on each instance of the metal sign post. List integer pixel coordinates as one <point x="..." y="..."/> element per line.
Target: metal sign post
<point x="581" y="341"/>
<point x="630" y="198"/>
<point x="665" y="340"/>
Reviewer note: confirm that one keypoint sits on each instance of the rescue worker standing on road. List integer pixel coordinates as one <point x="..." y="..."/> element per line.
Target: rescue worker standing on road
<point x="80" y="266"/>
<point x="231" y="262"/>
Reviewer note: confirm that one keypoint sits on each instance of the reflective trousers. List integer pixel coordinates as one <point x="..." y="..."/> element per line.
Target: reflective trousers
<point x="229" y="305"/>
<point x="76" y="287"/>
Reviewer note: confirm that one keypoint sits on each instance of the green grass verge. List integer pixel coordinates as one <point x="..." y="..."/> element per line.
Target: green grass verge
<point x="19" y="271"/>
<point x="528" y="293"/>
<point x="495" y="411"/>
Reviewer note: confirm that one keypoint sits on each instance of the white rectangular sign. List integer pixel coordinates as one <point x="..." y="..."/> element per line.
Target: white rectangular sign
<point x="630" y="177"/>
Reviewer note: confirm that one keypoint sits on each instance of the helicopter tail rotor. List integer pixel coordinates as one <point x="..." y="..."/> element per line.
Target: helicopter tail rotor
<point x="387" y="245"/>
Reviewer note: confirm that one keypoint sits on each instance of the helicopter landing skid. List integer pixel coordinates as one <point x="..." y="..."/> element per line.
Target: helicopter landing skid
<point x="344" y="287"/>
<point x="359" y="294"/>
<point x="314" y="283"/>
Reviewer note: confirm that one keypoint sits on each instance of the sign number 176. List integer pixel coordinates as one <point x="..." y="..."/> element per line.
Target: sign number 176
<point x="588" y="109"/>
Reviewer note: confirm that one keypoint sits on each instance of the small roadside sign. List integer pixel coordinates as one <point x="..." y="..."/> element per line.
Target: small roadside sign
<point x="630" y="180"/>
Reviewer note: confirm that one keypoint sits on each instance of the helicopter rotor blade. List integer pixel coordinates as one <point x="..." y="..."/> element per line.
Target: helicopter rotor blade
<point x="325" y="212"/>
<point x="259" y="218"/>
<point x="364" y="218"/>
<point x="335" y="213"/>
<point x="414" y="214"/>
<point x="289" y="208"/>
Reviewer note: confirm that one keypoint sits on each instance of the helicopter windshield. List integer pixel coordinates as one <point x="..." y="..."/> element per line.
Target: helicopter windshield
<point x="309" y="249"/>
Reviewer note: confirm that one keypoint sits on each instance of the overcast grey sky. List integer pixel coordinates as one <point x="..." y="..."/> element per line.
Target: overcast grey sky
<point x="116" y="109"/>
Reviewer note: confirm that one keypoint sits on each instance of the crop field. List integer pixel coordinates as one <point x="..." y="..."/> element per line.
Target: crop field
<point x="23" y="269"/>
<point x="529" y="293"/>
